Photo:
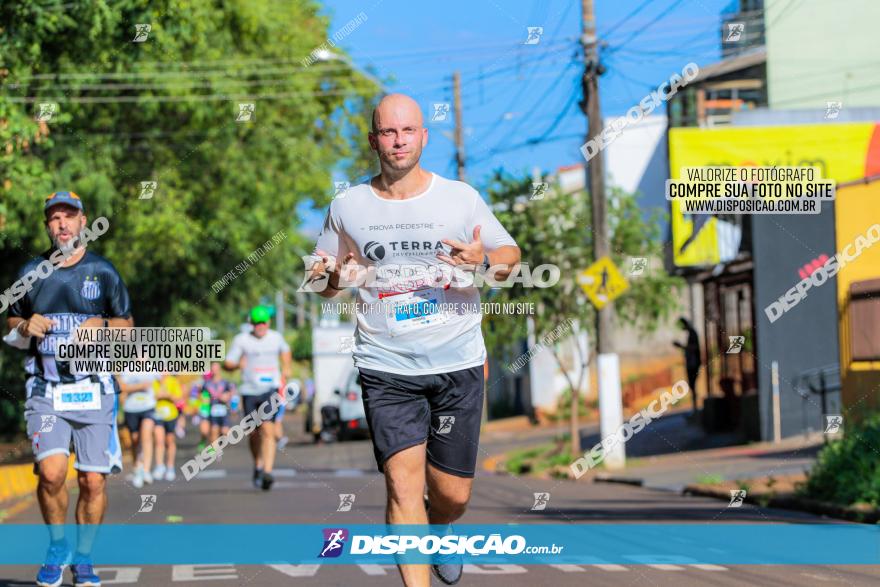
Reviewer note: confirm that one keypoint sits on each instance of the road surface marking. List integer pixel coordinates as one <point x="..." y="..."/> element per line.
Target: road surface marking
<point x="121" y="575"/>
<point x="132" y="575"/>
<point x="494" y="569"/>
<point x="348" y="473"/>
<point x="297" y="570"/>
<point x="375" y="570"/>
<point x="202" y="572"/>
<point x="212" y="474"/>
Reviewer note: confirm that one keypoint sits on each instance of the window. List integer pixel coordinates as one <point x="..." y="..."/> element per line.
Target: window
<point x="864" y="320"/>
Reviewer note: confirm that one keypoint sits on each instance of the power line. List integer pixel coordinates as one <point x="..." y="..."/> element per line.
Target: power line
<point x="782" y="13"/>
<point x="177" y="85"/>
<point x="518" y="65"/>
<point x="614" y="27"/>
<point x="530" y="143"/>
<point x="653" y="21"/>
<point x="365" y="56"/>
<point x="511" y="78"/>
<point x="236" y="65"/>
<point x="523" y="88"/>
<point x="171" y="74"/>
<point x="534" y="141"/>
<point x="188" y="98"/>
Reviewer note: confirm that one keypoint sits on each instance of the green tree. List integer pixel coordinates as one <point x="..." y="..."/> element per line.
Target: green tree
<point x="555" y="230"/>
<point x="165" y="110"/>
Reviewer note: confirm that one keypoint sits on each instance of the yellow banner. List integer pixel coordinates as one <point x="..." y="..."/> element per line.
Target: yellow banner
<point x="840" y="151"/>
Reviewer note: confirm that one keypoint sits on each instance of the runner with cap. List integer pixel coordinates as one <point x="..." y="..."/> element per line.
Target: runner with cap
<point x="420" y="355"/>
<point x="265" y="360"/>
<point x="83" y="291"/>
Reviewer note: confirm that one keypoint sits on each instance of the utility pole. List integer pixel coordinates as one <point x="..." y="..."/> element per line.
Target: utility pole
<point x="300" y="309"/>
<point x="610" y="404"/>
<point x="459" y="127"/>
<point x="279" y="311"/>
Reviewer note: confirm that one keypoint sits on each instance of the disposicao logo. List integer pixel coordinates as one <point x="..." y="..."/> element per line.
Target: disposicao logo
<point x="334" y="542"/>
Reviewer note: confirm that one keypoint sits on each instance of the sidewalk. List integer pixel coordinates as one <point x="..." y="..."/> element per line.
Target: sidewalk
<point x="674" y="471"/>
<point x="671" y="453"/>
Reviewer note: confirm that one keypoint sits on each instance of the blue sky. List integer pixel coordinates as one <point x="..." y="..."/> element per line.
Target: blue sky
<point x="514" y="92"/>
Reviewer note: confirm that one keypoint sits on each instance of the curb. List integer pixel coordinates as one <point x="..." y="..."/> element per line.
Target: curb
<point x="18" y="481"/>
<point x="490" y="463"/>
<point x="793" y="502"/>
<point x="606" y="478"/>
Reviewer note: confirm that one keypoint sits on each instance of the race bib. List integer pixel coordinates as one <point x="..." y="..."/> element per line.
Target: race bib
<point x="266" y="377"/>
<point x="83" y="395"/>
<point x="218" y="410"/>
<point x="415" y="309"/>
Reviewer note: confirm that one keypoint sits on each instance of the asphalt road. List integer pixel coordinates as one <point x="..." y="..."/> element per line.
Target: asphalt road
<point x="310" y="479"/>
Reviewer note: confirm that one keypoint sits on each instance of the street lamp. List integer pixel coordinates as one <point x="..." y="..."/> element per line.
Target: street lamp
<point x="328" y="55"/>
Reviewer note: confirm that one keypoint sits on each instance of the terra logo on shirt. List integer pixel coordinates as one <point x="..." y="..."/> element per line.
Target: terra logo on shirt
<point x="375" y="251"/>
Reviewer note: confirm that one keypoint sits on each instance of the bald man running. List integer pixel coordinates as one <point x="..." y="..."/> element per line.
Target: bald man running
<point x="421" y="364"/>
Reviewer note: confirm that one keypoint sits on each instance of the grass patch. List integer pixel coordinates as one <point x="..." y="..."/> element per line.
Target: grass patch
<point x="537" y="459"/>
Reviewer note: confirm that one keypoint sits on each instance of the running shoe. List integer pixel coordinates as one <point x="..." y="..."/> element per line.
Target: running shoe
<point x="51" y="574"/>
<point x="138" y="479"/>
<point x="179" y="432"/>
<point x="170" y="474"/>
<point x="268" y="480"/>
<point x="84" y="574"/>
<point x="282" y="442"/>
<point x="258" y="481"/>
<point x="148" y="479"/>
<point x="159" y="472"/>
<point x="447" y="568"/>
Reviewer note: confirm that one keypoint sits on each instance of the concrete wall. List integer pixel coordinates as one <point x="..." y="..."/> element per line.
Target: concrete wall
<point x="858" y="207"/>
<point x="636" y="161"/>
<point x="804" y="337"/>
<point x="819" y="51"/>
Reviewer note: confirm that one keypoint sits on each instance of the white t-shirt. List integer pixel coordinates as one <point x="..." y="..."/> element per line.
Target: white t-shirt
<point x="401" y="325"/>
<point x="261" y="371"/>
<point x="140" y="401"/>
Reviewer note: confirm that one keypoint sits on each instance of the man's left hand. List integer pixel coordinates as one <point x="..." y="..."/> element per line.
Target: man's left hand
<point x="464" y="253"/>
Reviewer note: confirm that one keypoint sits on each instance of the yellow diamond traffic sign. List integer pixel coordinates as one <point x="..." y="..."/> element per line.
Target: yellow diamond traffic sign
<point x="602" y="282"/>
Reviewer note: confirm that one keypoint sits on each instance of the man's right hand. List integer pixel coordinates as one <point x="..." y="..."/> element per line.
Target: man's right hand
<point x="36" y="325"/>
<point x="341" y="275"/>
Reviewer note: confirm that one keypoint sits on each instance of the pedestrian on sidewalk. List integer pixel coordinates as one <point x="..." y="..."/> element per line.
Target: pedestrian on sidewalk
<point x="692" y="358"/>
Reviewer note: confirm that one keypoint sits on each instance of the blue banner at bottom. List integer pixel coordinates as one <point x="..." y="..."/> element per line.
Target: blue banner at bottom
<point x="525" y="544"/>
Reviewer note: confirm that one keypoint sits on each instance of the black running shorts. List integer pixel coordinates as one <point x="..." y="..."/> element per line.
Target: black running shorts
<point x="443" y="409"/>
<point x="253" y="402"/>
<point x="133" y="419"/>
